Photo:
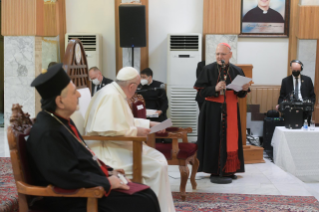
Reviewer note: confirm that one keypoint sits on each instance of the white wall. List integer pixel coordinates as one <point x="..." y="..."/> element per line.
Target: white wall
<point x="170" y="17"/>
<point x="95" y="16"/>
<point x="269" y="56"/>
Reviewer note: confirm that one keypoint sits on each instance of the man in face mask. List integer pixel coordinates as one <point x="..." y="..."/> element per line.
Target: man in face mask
<point x="98" y="80"/>
<point x="154" y="94"/>
<point x="298" y="85"/>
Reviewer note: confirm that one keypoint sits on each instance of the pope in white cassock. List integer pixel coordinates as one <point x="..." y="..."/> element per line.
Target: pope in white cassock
<point x="110" y="115"/>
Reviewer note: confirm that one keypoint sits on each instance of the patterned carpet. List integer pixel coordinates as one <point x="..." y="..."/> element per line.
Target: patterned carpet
<point x="198" y="202"/>
<point x="8" y="191"/>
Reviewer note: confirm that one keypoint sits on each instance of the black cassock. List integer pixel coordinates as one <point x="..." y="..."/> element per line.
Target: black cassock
<point x="257" y="15"/>
<point x="155" y="98"/>
<point x="56" y="157"/>
<point x="209" y="121"/>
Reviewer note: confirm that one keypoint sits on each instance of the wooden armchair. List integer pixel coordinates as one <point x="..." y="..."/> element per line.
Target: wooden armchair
<point x="176" y="153"/>
<point x="20" y="125"/>
<point x="137" y="151"/>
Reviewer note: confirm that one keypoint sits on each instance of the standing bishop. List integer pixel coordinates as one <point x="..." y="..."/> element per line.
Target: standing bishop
<point x="110" y="115"/>
<point x="218" y="153"/>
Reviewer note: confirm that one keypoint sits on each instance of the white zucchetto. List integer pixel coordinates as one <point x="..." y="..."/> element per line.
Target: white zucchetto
<point x="127" y="73"/>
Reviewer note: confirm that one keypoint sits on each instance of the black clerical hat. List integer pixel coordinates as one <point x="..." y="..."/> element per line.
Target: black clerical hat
<point x="51" y="82"/>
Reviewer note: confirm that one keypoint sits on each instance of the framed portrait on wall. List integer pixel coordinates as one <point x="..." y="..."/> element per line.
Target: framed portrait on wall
<point x="265" y="18"/>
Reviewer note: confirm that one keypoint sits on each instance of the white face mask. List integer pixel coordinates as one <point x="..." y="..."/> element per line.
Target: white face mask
<point x="96" y="81"/>
<point x="144" y="81"/>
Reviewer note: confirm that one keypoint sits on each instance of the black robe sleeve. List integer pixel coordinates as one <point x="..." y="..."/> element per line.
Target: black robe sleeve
<point x="163" y="101"/>
<point x="57" y="161"/>
<point x="207" y="81"/>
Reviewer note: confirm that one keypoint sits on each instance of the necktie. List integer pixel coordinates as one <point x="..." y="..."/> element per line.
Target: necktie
<point x="296" y="89"/>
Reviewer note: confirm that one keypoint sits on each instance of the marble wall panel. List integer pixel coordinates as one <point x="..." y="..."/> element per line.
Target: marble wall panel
<point x="127" y="57"/>
<point x="50" y="51"/>
<point x="19" y="71"/>
<point x="211" y="44"/>
<point x="309" y="2"/>
<point x="19" y="56"/>
<point x="307" y="55"/>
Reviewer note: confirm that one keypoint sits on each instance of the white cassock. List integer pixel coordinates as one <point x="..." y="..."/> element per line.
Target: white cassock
<point x="110" y="115"/>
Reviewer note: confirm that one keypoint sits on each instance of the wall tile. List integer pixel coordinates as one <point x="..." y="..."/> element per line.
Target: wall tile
<point x="211" y="44"/>
<point x="307" y="55"/>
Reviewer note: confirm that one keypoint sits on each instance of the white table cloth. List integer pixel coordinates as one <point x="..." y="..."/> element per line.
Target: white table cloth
<point x="297" y="152"/>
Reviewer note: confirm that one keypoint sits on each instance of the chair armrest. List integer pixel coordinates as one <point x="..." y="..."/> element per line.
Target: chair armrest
<point x="115" y="138"/>
<point x="174" y="136"/>
<point x="137" y="151"/>
<point x="24" y="188"/>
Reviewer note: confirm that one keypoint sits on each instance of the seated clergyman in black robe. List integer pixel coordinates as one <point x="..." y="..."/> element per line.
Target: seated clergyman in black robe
<point x="218" y="154"/>
<point x="263" y="14"/>
<point x="154" y="94"/>
<point x="59" y="156"/>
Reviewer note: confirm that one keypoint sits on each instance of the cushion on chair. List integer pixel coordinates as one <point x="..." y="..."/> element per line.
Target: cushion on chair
<point x="172" y="129"/>
<point x="139" y="110"/>
<point x="185" y="150"/>
<point x="65" y="191"/>
<point x="165" y="134"/>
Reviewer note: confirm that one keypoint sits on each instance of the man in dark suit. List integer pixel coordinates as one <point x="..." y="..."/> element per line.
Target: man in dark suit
<point x="98" y="80"/>
<point x="300" y="86"/>
<point x="154" y="94"/>
<point x="199" y="99"/>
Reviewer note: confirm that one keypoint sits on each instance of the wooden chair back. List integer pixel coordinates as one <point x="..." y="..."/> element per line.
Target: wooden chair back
<point x="75" y="64"/>
<point x="20" y="125"/>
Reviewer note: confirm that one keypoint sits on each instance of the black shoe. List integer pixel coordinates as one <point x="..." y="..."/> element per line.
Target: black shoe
<point x="234" y="177"/>
<point x="220" y="180"/>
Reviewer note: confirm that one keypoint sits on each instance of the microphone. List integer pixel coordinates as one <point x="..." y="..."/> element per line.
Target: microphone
<point x="223" y="63"/>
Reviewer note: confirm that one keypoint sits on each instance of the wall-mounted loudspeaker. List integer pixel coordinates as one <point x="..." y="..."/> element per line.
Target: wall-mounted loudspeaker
<point x="132" y="26"/>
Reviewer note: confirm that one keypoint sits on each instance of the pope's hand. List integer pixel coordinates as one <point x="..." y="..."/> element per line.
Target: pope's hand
<point x="220" y="86"/>
<point x="117" y="183"/>
<point x="277" y="106"/>
<point x="143" y="131"/>
<point x="153" y="123"/>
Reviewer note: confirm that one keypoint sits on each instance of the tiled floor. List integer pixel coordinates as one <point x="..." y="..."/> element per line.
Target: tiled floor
<point x="263" y="178"/>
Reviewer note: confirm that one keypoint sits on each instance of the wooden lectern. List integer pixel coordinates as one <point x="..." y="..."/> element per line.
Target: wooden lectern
<point x="252" y="154"/>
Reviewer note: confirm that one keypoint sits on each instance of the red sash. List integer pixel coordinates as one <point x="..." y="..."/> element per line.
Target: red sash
<point x="103" y="166"/>
<point x="232" y="161"/>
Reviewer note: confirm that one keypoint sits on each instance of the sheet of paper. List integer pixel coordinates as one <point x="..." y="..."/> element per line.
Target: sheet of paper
<point x="238" y="83"/>
<point x="165" y="124"/>
<point x="150" y="113"/>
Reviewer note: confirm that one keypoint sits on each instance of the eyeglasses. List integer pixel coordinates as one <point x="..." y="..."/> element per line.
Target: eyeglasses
<point x="222" y="54"/>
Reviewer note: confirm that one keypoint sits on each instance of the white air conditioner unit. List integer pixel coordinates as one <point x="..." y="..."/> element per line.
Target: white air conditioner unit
<point x="184" y="52"/>
<point x="92" y="44"/>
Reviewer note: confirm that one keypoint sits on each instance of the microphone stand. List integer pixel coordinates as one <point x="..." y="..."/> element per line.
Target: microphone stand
<point x="223" y="139"/>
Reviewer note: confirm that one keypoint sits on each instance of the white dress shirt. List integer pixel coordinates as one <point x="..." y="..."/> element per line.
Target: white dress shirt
<point x="299" y="85"/>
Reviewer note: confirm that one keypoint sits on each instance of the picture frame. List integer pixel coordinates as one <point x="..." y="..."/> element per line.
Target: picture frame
<point x="258" y="21"/>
